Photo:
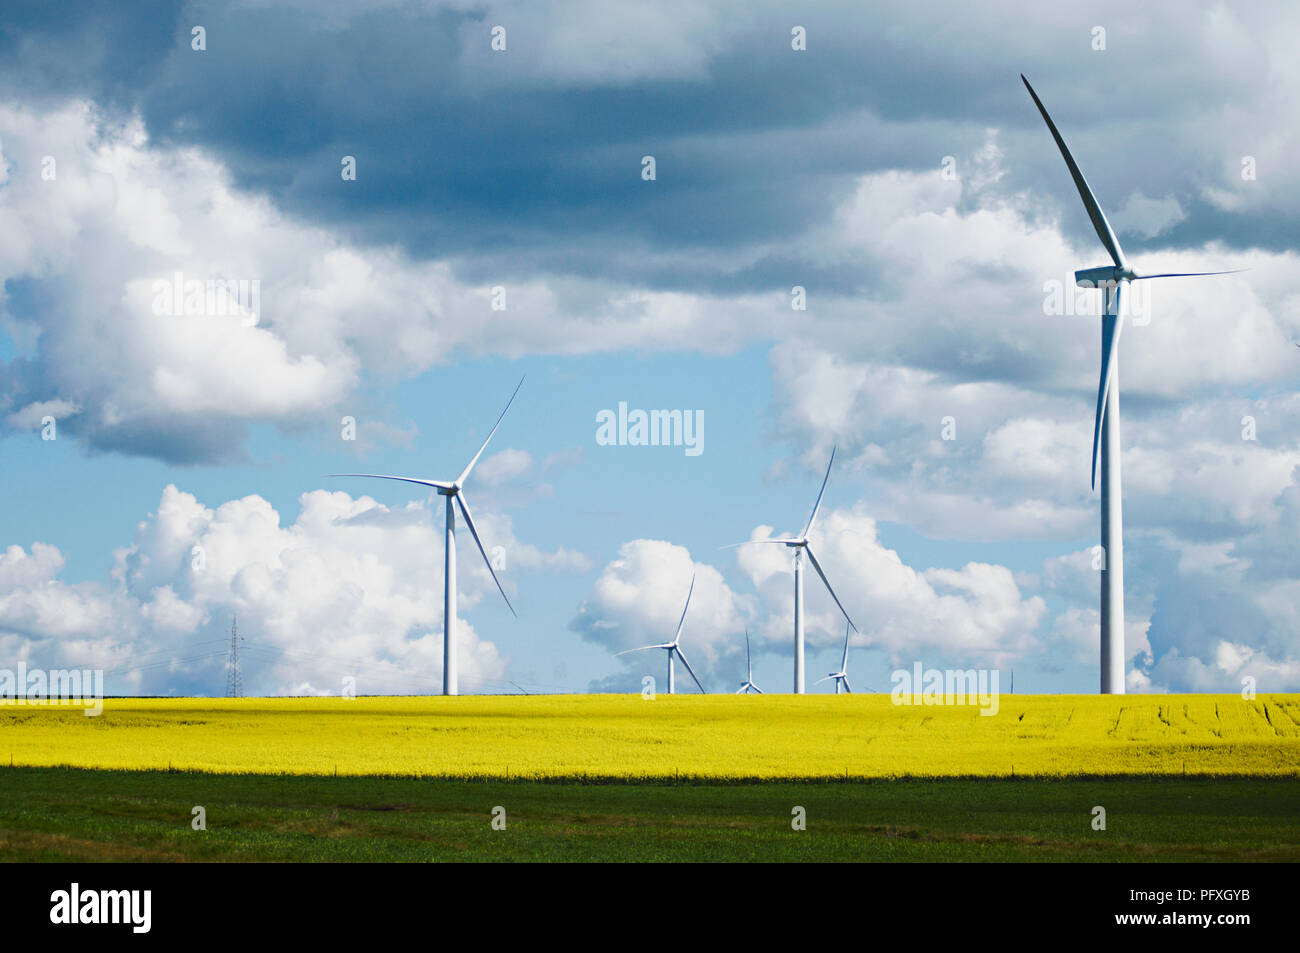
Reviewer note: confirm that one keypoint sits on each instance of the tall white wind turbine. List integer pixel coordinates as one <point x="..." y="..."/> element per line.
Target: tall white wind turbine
<point x="674" y="648"/>
<point x="455" y="495"/>
<point x="801" y="547"/>
<point x="1114" y="279"/>
<point x="842" y="676"/>
<point x="748" y="685"/>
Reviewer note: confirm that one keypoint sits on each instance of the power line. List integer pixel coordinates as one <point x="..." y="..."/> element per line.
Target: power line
<point x="375" y="668"/>
<point x="162" y="659"/>
<point x="167" y="662"/>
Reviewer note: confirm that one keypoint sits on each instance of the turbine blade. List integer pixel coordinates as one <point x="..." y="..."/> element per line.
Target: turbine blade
<point x="742" y="689"/>
<point x="1099" y="222"/>
<point x="770" y="539"/>
<point x="749" y="667"/>
<point x="756" y="688"/>
<point x="1113" y="325"/>
<point x="1189" y="274"/>
<point x="380" y="476"/>
<point x="469" y="521"/>
<point x="844" y="659"/>
<point x="678" y="634"/>
<point x="643" y="648"/>
<point x="817" y="505"/>
<point x="816" y="565"/>
<point x="465" y="474"/>
<point x="689" y="669"/>
<point x="820" y="680"/>
<point x="846" y="685"/>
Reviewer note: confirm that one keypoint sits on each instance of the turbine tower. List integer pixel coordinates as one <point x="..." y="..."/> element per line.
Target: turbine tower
<point x="801" y="547"/>
<point x="842" y="676"/>
<point x="1114" y="279"/>
<point x="748" y="685"/>
<point x="674" y="648"/>
<point x="455" y="496"/>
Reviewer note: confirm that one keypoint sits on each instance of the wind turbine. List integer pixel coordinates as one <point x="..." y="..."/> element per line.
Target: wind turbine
<point x="842" y="676"/>
<point x="1114" y="279"/>
<point x="801" y="547"/>
<point x="674" y="648"/>
<point x="748" y="685"/>
<point x="454" y="492"/>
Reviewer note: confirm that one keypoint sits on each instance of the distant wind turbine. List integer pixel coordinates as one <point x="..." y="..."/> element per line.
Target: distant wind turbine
<point x="674" y="648"/>
<point x="454" y="492"/>
<point x="1105" y="433"/>
<point x="842" y="676"/>
<point x="748" y="685"/>
<point x="801" y="546"/>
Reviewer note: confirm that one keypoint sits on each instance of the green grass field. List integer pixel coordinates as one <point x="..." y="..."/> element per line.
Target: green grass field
<point x="72" y="814"/>
<point x="1182" y="778"/>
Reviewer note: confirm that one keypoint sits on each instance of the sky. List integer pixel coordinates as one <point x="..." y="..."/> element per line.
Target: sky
<point x="809" y="227"/>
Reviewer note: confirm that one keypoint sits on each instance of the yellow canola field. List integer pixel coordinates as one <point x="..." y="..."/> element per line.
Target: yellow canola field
<point x="625" y="736"/>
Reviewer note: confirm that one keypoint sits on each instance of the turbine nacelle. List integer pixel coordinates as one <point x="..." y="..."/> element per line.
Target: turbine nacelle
<point x="1107" y="276"/>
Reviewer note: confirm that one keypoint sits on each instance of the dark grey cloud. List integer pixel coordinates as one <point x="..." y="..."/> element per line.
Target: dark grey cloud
<point x="108" y="52"/>
<point x="515" y="165"/>
<point x="499" y="165"/>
